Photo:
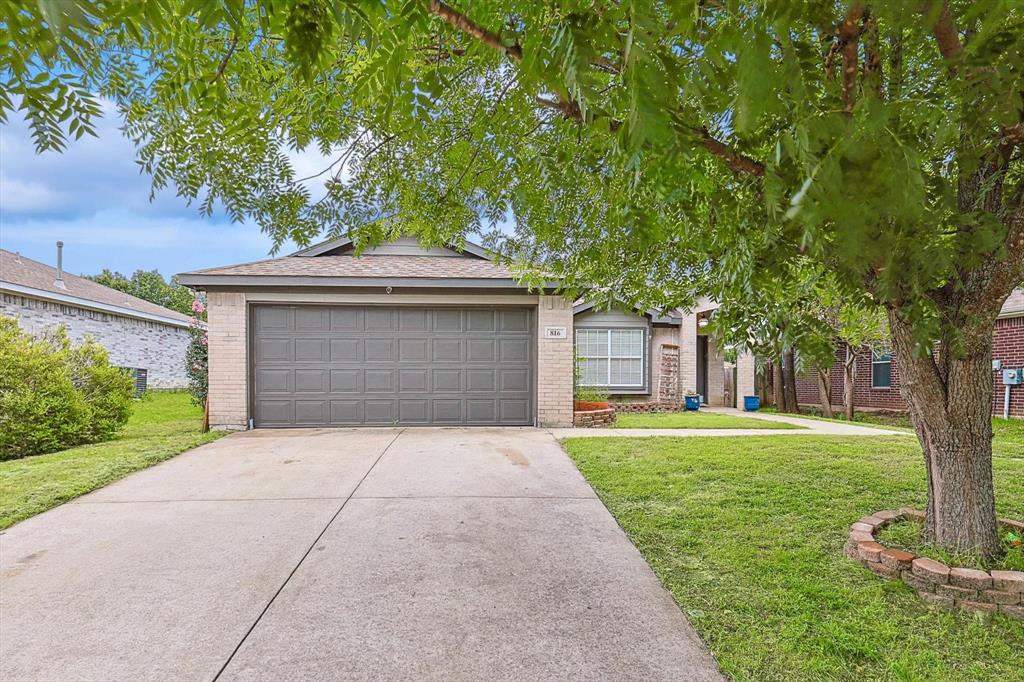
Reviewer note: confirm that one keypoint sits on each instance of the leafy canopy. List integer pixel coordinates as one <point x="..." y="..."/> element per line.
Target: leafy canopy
<point x="150" y="285"/>
<point x="705" y="144"/>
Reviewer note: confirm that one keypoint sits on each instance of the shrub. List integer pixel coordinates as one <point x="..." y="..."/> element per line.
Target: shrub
<point x="197" y="357"/>
<point x="54" y="395"/>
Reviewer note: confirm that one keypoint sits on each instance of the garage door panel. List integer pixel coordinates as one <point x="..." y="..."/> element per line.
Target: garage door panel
<point x="513" y="350"/>
<point x="274" y="412"/>
<point x="352" y="365"/>
<point x="447" y="321"/>
<point x="346" y="350"/>
<point x="379" y="350"/>
<point x="413" y="380"/>
<point x="413" y="350"/>
<point x="273" y="381"/>
<point x="413" y="320"/>
<point x="346" y="319"/>
<point x="346" y="381"/>
<point x="480" y="380"/>
<point x="447" y="410"/>
<point x="379" y="380"/>
<point x="379" y="319"/>
<point x="346" y="412"/>
<point x="311" y="350"/>
<point x="312" y="319"/>
<point x="270" y="319"/>
<point x="447" y="380"/>
<point x="446" y="350"/>
<point x="311" y="412"/>
<point x="481" y="411"/>
<point x="379" y="411"/>
<point x="481" y="350"/>
<point x="273" y="350"/>
<point x="514" y="410"/>
<point x="310" y="381"/>
<point x="515" y="321"/>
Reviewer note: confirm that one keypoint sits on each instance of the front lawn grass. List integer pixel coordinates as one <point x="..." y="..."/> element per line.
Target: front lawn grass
<point x="161" y="426"/>
<point x="747" y="533"/>
<point x="694" y="420"/>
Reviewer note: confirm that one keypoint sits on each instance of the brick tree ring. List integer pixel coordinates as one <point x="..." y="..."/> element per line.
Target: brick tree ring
<point x="936" y="583"/>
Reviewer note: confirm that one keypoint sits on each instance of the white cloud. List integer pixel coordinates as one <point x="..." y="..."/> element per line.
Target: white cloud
<point x="20" y="196"/>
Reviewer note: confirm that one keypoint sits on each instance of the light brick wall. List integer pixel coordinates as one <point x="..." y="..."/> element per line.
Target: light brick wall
<point x="745" y="369"/>
<point x="688" y="353"/>
<point x="229" y="369"/>
<point x="130" y="342"/>
<point x="554" y="363"/>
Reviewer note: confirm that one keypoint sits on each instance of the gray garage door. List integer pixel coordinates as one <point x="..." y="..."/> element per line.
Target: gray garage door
<point x="363" y="365"/>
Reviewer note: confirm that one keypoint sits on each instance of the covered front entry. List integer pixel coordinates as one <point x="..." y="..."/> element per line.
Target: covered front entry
<point x="343" y="365"/>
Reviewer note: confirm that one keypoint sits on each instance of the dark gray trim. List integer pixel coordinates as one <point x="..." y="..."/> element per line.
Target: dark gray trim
<point x="340" y="243"/>
<point x="200" y="280"/>
<point x="656" y="316"/>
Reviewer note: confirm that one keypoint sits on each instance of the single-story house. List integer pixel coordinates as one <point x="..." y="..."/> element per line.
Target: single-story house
<point x="876" y="383"/>
<point x="136" y="333"/>
<point x="406" y="335"/>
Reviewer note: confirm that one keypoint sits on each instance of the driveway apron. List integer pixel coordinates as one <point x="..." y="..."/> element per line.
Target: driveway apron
<point x="455" y="554"/>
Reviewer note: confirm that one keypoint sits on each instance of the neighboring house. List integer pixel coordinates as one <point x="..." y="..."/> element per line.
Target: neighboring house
<point x="877" y="379"/>
<point x="136" y="333"/>
<point x="413" y="336"/>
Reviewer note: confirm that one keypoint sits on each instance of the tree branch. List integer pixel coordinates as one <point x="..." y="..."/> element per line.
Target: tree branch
<point x="946" y="34"/>
<point x="462" y="23"/>
<point x="571" y="110"/>
<point x="227" y="57"/>
<point x="849" y="32"/>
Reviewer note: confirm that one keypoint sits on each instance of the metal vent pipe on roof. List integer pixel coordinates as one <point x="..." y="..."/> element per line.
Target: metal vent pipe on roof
<point x="59" y="282"/>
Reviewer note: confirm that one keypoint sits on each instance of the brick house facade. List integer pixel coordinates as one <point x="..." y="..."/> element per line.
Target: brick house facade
<point x="136" y="333"/>
<point x="1007" y="348"/>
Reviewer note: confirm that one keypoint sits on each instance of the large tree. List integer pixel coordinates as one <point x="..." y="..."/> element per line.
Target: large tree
<point x="150" y="285"/>
<point x="635" y="145"/>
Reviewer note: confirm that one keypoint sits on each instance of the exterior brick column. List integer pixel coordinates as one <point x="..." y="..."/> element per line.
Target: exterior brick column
<point x="688" y="353"/>
<point x="745" y="369"/>
<point x="554" y="363"/>
<point x="229" y="368"/>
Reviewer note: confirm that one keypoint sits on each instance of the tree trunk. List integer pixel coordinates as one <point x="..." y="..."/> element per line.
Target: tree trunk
<point x="206" y="415"/>
<point x="777" y="389"/>
<point x="950" y="406"/>
<point x="790" y="378"/>
<point x="849" y="381"/>
<point x="825" y="390"/>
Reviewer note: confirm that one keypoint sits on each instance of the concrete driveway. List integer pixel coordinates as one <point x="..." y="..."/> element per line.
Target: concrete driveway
<point x="455" y="554"/>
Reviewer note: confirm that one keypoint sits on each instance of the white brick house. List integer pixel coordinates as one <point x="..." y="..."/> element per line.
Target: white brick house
<point x="136" y="333"/>
<point x="411" y="336"/>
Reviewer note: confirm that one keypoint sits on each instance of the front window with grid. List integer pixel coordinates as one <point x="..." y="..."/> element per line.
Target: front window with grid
<point x="611" y="357"/>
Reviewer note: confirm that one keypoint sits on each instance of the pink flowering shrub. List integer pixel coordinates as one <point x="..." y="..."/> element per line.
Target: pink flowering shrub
<point x="197" y="356"/>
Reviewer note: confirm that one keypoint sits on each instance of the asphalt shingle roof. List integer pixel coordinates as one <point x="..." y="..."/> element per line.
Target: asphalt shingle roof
<point x="17" y="269"/>
<point x="421" y="267"/>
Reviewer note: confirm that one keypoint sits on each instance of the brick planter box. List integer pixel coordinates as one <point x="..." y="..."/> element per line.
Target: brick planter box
<point x="593" y="418"/>
<point x="653" y="406"/>
<point x="936" y="583"/>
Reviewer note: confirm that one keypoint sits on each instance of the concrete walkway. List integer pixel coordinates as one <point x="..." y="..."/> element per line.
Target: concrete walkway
<point x="809" y="427"/>
<point x="444" y="554"/>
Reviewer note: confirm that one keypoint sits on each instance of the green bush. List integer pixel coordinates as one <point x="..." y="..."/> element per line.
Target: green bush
<point x="54" y="395"/>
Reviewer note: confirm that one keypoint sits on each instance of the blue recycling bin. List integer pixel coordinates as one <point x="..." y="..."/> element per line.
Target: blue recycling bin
<point x="751" y="403"/>
<point x="693" y="403"/>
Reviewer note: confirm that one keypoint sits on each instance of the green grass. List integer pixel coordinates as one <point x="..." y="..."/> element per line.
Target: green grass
<point x="748" y="533"/>
<point x="161" y="426"/>
<point x="694" y="420"/>
<point x="897" y="421"/>
<point x="908" y="535"/>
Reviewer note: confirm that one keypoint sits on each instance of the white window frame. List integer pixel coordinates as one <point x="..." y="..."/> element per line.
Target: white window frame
<point x="608" y="357"/>
<point x="875" y="353"/>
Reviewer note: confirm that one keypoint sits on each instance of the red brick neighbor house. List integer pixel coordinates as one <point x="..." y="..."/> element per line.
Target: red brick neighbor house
<point x="877" y="378"/>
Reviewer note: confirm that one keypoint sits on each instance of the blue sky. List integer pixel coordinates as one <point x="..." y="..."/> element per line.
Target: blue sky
<point x="93" y="198"/>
